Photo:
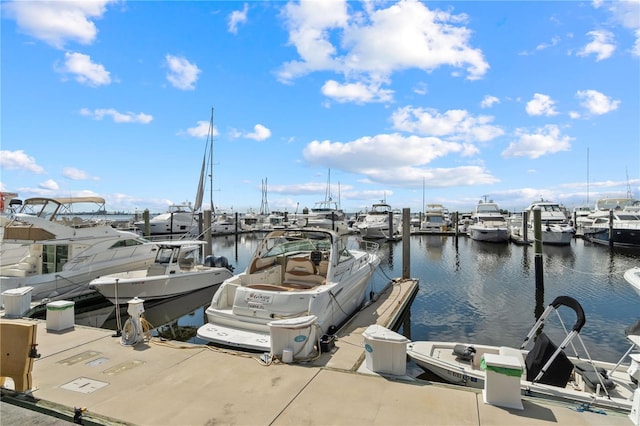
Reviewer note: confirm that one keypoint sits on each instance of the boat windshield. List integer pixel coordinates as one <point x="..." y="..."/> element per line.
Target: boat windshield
<point x="286" y="246"/>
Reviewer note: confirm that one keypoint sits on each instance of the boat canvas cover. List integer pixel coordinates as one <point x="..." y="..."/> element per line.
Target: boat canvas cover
<point x="559" y="371"/>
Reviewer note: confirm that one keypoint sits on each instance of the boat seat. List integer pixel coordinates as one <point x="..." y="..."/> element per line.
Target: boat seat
<point x="302" y="272"/>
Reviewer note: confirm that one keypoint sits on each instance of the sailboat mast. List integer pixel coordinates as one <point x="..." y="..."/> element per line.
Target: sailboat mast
<point x="213" y="210"/>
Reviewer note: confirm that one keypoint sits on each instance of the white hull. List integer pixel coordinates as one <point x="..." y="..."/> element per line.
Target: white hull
<point x="633" y="277"/>
<point x="119" y="288"/>
<point x="492" y="235"/>
<point x="438" y="358"/>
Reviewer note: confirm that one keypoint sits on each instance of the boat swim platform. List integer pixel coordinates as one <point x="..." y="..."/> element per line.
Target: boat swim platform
<point x="161" y="382"/>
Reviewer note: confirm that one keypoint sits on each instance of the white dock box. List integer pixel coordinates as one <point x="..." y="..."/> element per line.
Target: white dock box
<point x="60" y="315"/>
<point x="502" y="381"/>
<point x="16" y="301"/>
<point x="295" y="334"/>
<point x="385" y="350"/>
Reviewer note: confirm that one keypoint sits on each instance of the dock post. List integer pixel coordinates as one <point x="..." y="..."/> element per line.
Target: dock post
<point x="525" y="226"/>
<point x="537" y="244"/>
<point x="207" y="233"/>
<point x="537" y="236"/>
<point x="406" y="239"/>
<point x="390" y="221"/>
<point x="147" y="230"/>
<point x="610" y="228"/>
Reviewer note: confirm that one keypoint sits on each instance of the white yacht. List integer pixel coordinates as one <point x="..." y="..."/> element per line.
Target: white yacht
<point x="178" y="219"/>
<point x="64" y="248"/>
<point x="556" y="229"/>
<point x="381" y="222"/>
<point x="294" y="274"/>
<point x="615" y="221"/>
<point x="435" y="219"/>
<point x="488" y="224"/>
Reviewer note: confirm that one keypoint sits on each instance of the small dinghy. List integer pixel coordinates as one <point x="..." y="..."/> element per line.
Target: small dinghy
<point x="547" y="371"/>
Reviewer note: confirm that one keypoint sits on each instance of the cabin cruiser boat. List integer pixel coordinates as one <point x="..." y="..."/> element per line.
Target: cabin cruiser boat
<point x="175" y="271"/>
<point x="556" y="229"/>
<point x="381" y="222"/>
<point x="64" y="250"/>
<point x="545" y="370"/>
<point x="294" y="274"/>
<point x="488" y="224"/>
<point x="324" y="214"/>
<point x="435" y="219"/>
<point x="632" y="276"/>
<point x="615" y="221"/>
<point x="178" y="219"/>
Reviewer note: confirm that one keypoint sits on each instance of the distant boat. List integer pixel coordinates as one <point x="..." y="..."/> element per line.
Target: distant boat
<point x="435" y="219"/>
<point x="178" y="219"/>
<point x="381" y="222"/>
<point x="623" y="231"/>
<point x="175" y="271"/>
<point x="556" y="229"/>
<point x="488" y="224"/>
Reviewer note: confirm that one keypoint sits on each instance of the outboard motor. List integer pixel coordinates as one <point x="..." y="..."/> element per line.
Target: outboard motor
<point x="218" y="262"/>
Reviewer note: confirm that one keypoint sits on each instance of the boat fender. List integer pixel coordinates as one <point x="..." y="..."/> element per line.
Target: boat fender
<point x="463" y="352"/>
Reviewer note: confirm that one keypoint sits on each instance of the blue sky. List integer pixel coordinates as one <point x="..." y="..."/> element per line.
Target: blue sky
<point x="412" y="102"/>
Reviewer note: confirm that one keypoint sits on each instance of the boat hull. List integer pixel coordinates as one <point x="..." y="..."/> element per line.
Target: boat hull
<point x="119" y="288"/>
<point x="495" y="235"/>
<point x="439" y="359"/>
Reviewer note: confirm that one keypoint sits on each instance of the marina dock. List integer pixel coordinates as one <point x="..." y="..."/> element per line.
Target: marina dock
<point x="161" y="382"/>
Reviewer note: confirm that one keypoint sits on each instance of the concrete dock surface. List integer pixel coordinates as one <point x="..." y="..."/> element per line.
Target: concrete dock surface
<point x="159" y="382"/>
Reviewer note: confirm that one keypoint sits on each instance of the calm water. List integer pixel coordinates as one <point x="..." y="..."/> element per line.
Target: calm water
<point x="469" y="291"/>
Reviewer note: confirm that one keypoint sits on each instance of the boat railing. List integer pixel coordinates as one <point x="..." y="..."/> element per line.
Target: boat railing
<point x="369" y="246"/>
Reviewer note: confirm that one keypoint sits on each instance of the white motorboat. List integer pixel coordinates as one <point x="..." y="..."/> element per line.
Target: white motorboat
<point x="176" y="271"/>
<point x="614" y="221"/>
<point x="435" y="219"/>
<point x="381" y="222"/>
<point x="294" y="274"/>
<point x="178" y="219"/>
<point x="64" y="250"/>
<point x="556" y="229"/>
<point x="632" y="276"/>
<point x="488" y="224"/>
<point x="324" y="214"/>
<point x="546" y="370"/>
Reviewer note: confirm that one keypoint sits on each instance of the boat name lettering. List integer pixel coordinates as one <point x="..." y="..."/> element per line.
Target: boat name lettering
<point x="259" y="299"/>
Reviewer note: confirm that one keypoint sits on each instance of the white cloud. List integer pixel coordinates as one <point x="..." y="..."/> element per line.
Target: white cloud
<point x="452" y="124"/>
<point x="488" y="101"/>
<point x="58" y="22"/>
<point x="546" y="140"/>
<point x="397" y="160"/>
<point x="627" y="14"/>
<point x="596" y="102"/>
<point x="18" y="160"/>
<point x="201" y="130"/>
<point x="85" y="71"/>
<point x="371" y="45"/>
<point x="237" y="17"/>
<point x="602" y="45"/>
<point x="541" y="105"/>
<point x="118" y="117"/>
<point x="77" y="174"/>
<point x="49" y="185"/>
<point x="259" y="133"/>
<point x="182" y="73"/>
<point x="356" y="92"/>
